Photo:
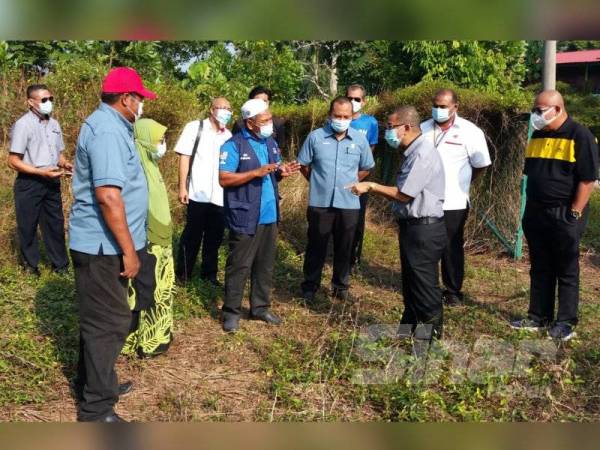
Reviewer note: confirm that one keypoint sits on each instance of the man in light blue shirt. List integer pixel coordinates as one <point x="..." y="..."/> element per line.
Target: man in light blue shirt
<point x="367" y="125"/>
<point x="333" y="157"/>
<point x="107" y="238"/>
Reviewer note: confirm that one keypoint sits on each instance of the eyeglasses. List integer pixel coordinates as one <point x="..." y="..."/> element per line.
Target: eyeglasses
<point x="393" y="127"/>
<point x="223" y="107"/>
<point x="539" y="110"/>
<point x="46" y="99"/>
<point x="356" y="99"/>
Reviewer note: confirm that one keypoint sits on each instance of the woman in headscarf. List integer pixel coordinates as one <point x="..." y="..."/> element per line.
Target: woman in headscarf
<point x="151" y="293"/>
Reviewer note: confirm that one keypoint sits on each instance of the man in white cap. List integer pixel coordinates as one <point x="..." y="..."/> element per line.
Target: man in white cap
<point x="250" y="169"/>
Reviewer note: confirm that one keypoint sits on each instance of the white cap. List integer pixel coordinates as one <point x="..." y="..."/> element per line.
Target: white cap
<point x="253" y="107"/>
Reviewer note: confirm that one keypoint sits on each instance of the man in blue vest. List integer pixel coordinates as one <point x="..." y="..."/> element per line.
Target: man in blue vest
<point x="250" y="169"/>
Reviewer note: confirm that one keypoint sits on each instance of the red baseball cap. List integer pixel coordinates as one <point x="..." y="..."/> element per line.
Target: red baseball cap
<point x="121" y="80"/>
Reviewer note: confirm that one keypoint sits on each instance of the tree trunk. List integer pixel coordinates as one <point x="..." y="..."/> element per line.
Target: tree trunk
<point x="333" y="74"/>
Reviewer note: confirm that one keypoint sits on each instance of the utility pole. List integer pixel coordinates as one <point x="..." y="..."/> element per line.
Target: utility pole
<point x="549" y="74"/>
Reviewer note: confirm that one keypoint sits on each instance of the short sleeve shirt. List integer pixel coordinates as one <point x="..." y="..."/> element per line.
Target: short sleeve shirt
<point x="106" y="156"/>
<point x="334" y="166"/>
<point x="204" y="182"/>
<point x="230" y="160"/>
<point x="367" y="125"/>
<point x="462" y="147"/>
<point x="39" y="141"/>
<point x="557" y="160"/>
<point x="421" y="176"/>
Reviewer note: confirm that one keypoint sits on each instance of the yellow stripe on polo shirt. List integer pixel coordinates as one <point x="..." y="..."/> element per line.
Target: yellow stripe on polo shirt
<point x="551" y="148"/>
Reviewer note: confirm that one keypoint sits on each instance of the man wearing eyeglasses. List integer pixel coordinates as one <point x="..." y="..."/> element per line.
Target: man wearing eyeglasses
<point x="561" y="164"/>
<point x="107" y="238"/>
<point x="36" y="153"/>
<point x="418" y="198"/>
<point x="366" y="125"/>
<point x="464" y="152"/>
<point x="199" y="148"/>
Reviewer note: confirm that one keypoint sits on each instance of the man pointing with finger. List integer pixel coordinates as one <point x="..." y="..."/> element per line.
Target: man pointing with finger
<point x="250" y="169"/>
<point x="107" y="233"/>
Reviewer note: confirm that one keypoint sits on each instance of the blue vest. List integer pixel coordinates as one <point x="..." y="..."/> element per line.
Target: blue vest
<point x="242" y="203"/>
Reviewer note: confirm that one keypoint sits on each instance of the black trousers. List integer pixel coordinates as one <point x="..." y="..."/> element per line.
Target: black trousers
<point x="554" y="256"/>
<point x="38" y="202"/>
<point x="205" y="225"/>
<point x="421" y="248"/>
<point x="323" y="223"/>
<point x="252" y="256"/>
<point x="104" y="322"/>
<point x="360" y="231"/>
<point x="453" y="258"/>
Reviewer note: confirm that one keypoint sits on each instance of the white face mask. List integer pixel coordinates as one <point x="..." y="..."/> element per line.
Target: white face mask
<point x="539" y="121"/>
<point x="356" y="106"/>
<point x="46" y="108"/>
<point x="161" y="149"/>
<point x="140" y="110"/>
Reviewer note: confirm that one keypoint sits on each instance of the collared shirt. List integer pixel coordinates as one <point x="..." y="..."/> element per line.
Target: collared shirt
<point x="368" y="126"/>
<point x="334" y="166"/>
<point x="106" y="156"/>
<point x="556" y="161"/>
<point x="230" y="158"/>
<point x="462" y="148"/>
<point x="39" y="141"/>
<point x="204" y="181"/>
<point x="421" y="177"/>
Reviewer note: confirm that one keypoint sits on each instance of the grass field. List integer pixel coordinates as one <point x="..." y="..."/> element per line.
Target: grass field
<point x="330" y="362"/>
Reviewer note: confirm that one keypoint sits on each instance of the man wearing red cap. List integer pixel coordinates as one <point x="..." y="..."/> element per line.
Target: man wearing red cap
<point x="107" y="232"/>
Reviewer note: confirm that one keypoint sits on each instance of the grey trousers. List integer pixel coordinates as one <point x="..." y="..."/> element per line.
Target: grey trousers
<point x="250" y="256"/>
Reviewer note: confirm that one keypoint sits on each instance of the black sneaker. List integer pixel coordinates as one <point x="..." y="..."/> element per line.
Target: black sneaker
<point x="561" y="331"/>
<point x="341" y="294"/>
<point x="31" y="270"/>
<point x="452" y="300"/>
<point x="64" y="270"/>
<point x="231" y="324"/>
<point x="527" y="325"/>
<point x="309" y="296"/>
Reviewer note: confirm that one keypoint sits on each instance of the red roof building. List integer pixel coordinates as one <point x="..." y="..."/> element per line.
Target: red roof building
<point x="579" y="68"/>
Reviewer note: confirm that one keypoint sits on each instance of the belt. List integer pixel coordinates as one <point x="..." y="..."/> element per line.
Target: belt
<point x="421" y="221"/>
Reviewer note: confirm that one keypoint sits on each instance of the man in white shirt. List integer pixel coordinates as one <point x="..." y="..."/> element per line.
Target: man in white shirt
<point x="199" y="149"/>
<point x="465" y="156"/>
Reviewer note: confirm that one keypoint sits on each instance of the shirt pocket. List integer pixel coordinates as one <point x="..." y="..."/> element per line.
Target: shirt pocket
<point x="351" y="156"/>
<point x="238" y="213"/>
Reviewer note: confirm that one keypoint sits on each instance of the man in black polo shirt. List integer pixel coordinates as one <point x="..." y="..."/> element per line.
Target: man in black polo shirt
<point x="562" y="166"/>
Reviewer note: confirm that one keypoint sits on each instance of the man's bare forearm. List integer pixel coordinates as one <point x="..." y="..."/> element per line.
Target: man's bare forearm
<point x="389" y="192"/>
<point x="305" y="171"/>
<point x="582" y="196"/>
<point x="16" y="163"/>
<point x="233" y="179"/>
<point x="362" y="174"/>
<point x="184" y="169"/>
<point x="113" y="211"/>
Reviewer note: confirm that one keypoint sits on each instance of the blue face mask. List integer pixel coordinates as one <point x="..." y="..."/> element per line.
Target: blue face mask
<point x="223" y="116"/>
<point x="392" y="138"/>
<point x="340" y="125"/>
<point x="266" y="131"/>
<point x="440" y="115"/>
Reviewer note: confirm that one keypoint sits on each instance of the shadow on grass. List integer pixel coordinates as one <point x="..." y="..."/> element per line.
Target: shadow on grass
<point x="56" y="310"/>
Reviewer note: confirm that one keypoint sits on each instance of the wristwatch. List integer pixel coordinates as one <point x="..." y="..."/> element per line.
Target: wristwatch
<point x="575" y="214"/>
<point x="371" y="186"/>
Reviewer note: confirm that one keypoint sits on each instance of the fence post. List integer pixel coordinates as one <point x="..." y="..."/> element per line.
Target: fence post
<point x="518" y="253"/>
